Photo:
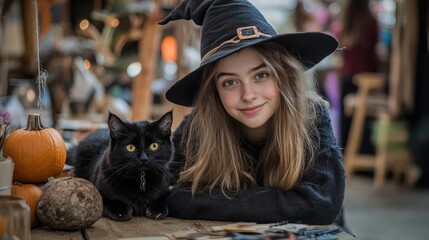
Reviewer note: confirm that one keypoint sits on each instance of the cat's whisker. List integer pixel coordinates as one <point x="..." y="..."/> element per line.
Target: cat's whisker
<point x="118" y="170"/>
<point x="161" y="168"/>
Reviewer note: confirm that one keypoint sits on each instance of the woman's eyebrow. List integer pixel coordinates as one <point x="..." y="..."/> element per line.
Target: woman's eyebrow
<point x="257" y="67"/>
<point x="224" y="74"/>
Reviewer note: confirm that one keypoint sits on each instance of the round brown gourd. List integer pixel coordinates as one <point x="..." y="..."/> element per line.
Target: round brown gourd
<point x="69" y="203"/>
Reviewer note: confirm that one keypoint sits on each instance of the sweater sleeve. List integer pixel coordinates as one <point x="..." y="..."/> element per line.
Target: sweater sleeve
<point x="317" y="199"/>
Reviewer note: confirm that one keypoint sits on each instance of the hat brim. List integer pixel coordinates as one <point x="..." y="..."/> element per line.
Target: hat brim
<point x="308" y="47"/>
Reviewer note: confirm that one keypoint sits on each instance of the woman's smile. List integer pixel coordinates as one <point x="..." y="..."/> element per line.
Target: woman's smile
<point x="251" y="111"/>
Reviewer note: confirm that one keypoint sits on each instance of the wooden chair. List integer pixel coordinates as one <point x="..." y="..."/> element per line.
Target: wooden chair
<point x="370" y="101"/>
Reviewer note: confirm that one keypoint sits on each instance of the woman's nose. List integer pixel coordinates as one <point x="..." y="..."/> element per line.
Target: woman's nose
<point x="249" y="92"/>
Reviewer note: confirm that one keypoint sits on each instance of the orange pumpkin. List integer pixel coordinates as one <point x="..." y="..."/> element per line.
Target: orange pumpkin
<point x="38" y="152"/>
<point x="31" y="194"/>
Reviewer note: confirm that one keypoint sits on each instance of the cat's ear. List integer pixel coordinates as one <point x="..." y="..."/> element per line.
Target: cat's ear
<point x="164" y="123"/>
<point x="115" y="124"/>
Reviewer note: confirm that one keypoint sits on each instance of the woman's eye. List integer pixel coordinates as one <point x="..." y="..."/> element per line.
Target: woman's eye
<point x="131" y="148"/>
<point x="261" y="75"/>
<point x="154" y="146"/>
<point x="228" y="83"/>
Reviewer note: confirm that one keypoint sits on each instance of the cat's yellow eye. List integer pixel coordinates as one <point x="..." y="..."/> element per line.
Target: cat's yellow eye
<point x="131" y="148"/>
<point x="154" y="146"/>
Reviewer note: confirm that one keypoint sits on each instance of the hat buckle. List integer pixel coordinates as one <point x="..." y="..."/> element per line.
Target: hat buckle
<point x="250" y="32"/>
<point x="243" y="33"/>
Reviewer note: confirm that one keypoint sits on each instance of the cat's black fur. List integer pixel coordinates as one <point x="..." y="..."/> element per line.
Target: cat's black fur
<point x="107" y="160"/>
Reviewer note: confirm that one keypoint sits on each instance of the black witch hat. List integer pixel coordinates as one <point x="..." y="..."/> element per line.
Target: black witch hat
<point x="231" y="25"/>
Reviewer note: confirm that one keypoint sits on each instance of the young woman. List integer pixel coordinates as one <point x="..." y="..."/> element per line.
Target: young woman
<point x="258" y="145"/>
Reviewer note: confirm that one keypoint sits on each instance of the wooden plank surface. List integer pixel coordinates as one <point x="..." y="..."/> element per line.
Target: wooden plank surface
<point x="138" y="228"/>
<point x="144" y="227"/>
<point x="45" y="233"/>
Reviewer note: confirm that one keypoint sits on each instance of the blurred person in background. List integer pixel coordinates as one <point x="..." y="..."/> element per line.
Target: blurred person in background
<point x="359" y="36"/>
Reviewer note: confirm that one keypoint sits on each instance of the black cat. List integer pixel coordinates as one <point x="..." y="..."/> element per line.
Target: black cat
<point x="129" y="163"/>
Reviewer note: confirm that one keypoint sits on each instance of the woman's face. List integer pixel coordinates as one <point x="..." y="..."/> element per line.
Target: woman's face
<point x="246" y="88"/>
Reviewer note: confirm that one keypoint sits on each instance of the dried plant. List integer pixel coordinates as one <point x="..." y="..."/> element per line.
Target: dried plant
<point x="4" y="124"/>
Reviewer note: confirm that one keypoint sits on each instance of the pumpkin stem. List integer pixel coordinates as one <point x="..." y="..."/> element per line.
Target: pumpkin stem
<point x="34" y="122"/>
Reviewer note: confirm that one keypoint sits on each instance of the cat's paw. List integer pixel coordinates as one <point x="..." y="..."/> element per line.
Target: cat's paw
<point x="118" y="214"/>
<point x="157" y="212"/>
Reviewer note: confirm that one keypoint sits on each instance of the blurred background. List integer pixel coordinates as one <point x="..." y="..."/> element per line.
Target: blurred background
<point x="74" y="61"/>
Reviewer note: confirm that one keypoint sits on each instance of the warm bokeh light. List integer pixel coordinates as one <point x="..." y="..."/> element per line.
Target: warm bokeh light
<point x="87" y="64"/>
<point x="169" y="49"/>
<point x="114" y="22"/>
<point x="84" y="24"/>
<point x="31" y="95"/>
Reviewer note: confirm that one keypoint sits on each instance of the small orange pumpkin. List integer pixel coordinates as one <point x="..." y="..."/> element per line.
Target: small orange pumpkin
<point x="31" y="194"/>
<point x="38" y="152"/>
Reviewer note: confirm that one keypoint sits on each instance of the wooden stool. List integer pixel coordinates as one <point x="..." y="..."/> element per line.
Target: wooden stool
<point x="368" y="101"/>
<point x="391" y="139"/>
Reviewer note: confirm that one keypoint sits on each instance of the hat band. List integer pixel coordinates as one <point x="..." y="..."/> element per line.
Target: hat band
<point x="243" y="33"/>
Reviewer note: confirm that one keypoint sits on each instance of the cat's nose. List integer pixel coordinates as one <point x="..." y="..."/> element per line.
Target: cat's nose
<point x="143" y="157"/>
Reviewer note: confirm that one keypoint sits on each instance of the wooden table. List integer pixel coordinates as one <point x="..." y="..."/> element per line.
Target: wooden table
<point x="137" y="228"/>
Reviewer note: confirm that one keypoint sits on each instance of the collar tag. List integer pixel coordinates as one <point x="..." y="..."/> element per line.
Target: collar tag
<point x="142" y="182"/>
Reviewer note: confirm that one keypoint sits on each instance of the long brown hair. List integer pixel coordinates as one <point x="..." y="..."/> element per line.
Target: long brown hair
<point x="213" y="152"/>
